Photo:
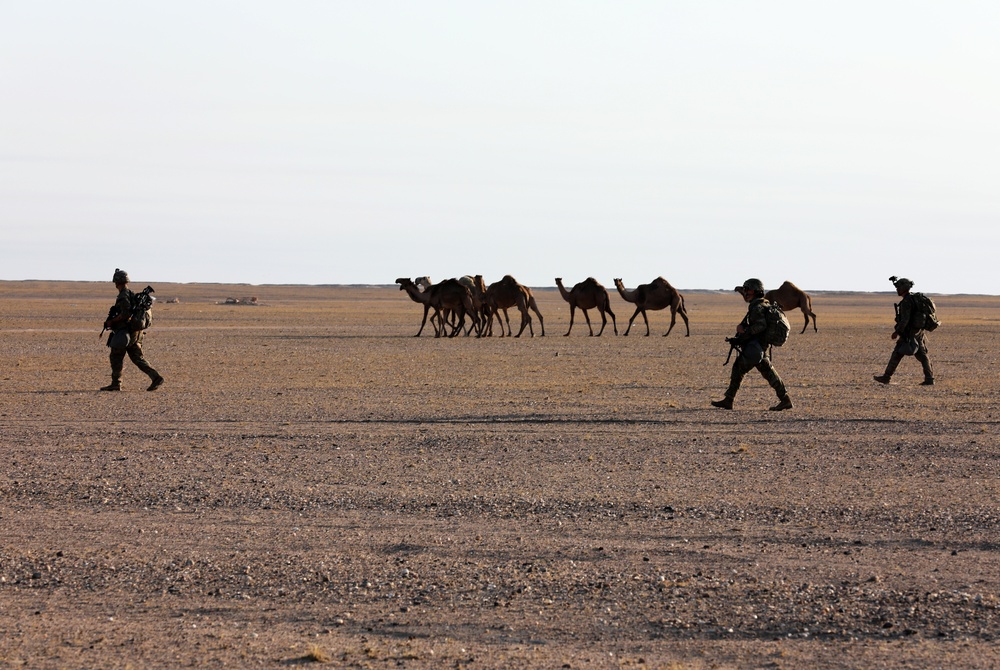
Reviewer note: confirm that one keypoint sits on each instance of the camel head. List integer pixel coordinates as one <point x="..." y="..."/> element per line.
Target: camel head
<point x="618" y="282"/>
<point x="404" y="282"/>
<point x="739" y="289"/>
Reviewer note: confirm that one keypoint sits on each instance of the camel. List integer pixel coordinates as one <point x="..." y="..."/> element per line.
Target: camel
<point x="477" y="289"/>
<point x="507" y="293"/>
<point x="788" y="296"/>
<point x="424" y="283"/>
<point x="418" y="297"/>
<point x="586" y="295"/>
<point x="442" y="297"/>
<point x="658" y="294"/>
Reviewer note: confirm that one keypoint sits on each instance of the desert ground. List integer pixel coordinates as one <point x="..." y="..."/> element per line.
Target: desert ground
<point x="313" y="484"/>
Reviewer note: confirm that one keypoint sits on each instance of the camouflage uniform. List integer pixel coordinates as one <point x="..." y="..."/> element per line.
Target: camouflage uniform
<point x="754" y="352"/>
<point x="123" y="341"/>
<point x="910" y="336"/>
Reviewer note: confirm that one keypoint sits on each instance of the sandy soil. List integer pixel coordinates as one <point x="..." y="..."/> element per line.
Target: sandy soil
<point x="313" y="483"/>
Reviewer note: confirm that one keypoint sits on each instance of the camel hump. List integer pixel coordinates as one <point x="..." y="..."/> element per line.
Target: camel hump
<point x="788" y="284"/>
<point x="660" y="281"/>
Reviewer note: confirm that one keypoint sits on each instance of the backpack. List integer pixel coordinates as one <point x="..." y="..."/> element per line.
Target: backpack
<point x="777" y="325"/>
<point x="927" y="310"/>
<point x="141" y="317"/>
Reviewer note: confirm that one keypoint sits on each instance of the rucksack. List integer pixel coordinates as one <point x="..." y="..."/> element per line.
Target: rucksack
<point x="777" y="325"/>
<point x="142" y="304"/>
<point x="925" y="308"/>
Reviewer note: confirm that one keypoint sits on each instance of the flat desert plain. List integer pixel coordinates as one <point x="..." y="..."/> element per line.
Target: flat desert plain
<point x="313" y="484"/>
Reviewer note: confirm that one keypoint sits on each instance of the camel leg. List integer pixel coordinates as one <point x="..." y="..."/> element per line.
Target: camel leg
<point x="572" y="312"/>
<point x="439" y="325"/>
<point x="461" y="323"/>
<point x="587" y="317"/>
<point x="807" y="322"/>
<point x="541" y="322"/>
<point x="607" y="308"/>
<point x="506" y="317"/>
<point x="487" y="320"/>
<point x="423" y="323"/>
<point x="683" y="312"/>
<point x="637" y="310"/>
<point x="646" y="321"/>
<point x="604" y="321"/>
<point x="525" y="321"/>
<point x="673" y="320"/>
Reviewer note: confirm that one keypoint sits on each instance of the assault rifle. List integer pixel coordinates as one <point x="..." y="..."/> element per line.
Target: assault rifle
<point x="112" y="313"/>
<point x="735" y="344"/>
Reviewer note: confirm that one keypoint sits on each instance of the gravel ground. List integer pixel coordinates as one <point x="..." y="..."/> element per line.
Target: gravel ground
<point x="313" y="484"/>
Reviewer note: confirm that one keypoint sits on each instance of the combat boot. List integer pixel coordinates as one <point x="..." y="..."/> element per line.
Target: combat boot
<point x="157" y="381"/>
<point x="928" y="381"/>
<point x="890" y="368"/>
<point x="113" y="386"/>
<point x="784" y="402"/>
<point x="725" y="403"/>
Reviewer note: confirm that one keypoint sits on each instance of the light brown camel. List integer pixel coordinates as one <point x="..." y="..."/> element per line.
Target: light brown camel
<point x="586" y="295"/>
<point x="507" y="293"/>
<point x="448" y="295"/>
<point x="658" y="294"/>
<point x="477" y="289"/>
<point x="788" y="296"/>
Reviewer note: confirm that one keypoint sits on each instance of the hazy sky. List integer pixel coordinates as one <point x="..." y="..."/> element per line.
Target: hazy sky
<point x="336" y="141"/>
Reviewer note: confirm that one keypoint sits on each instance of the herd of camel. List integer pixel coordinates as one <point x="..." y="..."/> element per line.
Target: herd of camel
<point x="450" y="301"/>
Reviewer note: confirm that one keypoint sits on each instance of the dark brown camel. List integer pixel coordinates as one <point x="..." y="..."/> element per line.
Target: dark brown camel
<point x="507" y="293"/>
<point x="586" y="295"/>
<point x="658" y="294"/>
<point x="788" y="296"/>
<point x="446" y="296"/>
<point x="418" y="297"/>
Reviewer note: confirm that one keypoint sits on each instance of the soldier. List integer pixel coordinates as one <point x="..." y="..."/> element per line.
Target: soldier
<point x="750" y="338"/>
<point x="909" y="334"/>
<point x="123" y="340"/>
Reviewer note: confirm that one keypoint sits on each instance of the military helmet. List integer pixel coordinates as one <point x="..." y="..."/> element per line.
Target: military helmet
<point x="754" y="285"/>
<point x="120" y="276"/>
<point x="901" y="283"/>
